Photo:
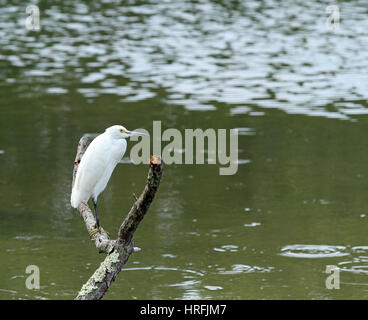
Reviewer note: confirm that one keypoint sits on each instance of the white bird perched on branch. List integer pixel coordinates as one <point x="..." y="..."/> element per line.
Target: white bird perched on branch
<point x="97" y="165"/>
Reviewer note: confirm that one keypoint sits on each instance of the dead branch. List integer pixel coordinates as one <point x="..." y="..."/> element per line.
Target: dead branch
<point x="119" y="250"/>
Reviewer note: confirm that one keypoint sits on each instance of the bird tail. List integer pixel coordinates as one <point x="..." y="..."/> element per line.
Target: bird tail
<point x="73" y="199"/>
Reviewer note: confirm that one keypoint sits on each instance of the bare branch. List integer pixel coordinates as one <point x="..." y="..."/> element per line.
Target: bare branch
<point x="141" y="205"/>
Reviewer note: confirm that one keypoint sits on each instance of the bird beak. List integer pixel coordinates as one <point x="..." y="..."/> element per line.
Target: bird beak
<point x="136" y="133"/>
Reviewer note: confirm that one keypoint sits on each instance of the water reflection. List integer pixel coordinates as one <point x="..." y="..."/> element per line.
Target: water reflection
<point x="190" y="289"/>
<point x="199" y="52"/>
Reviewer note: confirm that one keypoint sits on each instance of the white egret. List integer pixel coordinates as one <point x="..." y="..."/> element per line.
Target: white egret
<point x="97" y="165"/>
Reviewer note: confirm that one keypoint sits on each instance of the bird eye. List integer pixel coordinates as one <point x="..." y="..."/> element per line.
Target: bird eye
<point x="122" y="131"/>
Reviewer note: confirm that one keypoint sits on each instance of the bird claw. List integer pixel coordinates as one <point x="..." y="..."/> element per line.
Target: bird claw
<point x="96" y="230"/>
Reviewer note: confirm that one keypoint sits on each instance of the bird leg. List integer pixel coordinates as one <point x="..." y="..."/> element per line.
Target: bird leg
<point x="98" y="225"/>
<point x="97" y="218"/>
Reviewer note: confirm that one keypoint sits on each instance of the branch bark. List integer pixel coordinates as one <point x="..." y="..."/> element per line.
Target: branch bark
<point x="119" y="250"/>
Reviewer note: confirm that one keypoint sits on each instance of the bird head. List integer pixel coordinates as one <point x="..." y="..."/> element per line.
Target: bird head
<point x="120" y="132"/>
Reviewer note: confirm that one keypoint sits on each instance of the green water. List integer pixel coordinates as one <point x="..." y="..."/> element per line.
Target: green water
<point x="298" y="201"/>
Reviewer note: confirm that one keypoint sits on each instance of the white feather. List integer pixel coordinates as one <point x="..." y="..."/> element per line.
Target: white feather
<point x="97" y="165"/>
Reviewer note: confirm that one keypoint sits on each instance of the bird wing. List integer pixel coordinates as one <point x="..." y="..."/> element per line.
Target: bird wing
<point x="91" y="169"/>
<point x="116" y="149"/>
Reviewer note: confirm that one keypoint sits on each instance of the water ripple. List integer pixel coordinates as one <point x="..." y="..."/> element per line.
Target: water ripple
<point x="242" y="268"/>
<point x="161" y="268"/>
<point x="313" y="251"/>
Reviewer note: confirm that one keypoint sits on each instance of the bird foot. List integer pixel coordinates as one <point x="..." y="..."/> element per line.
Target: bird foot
<point x="96" y="230"/>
